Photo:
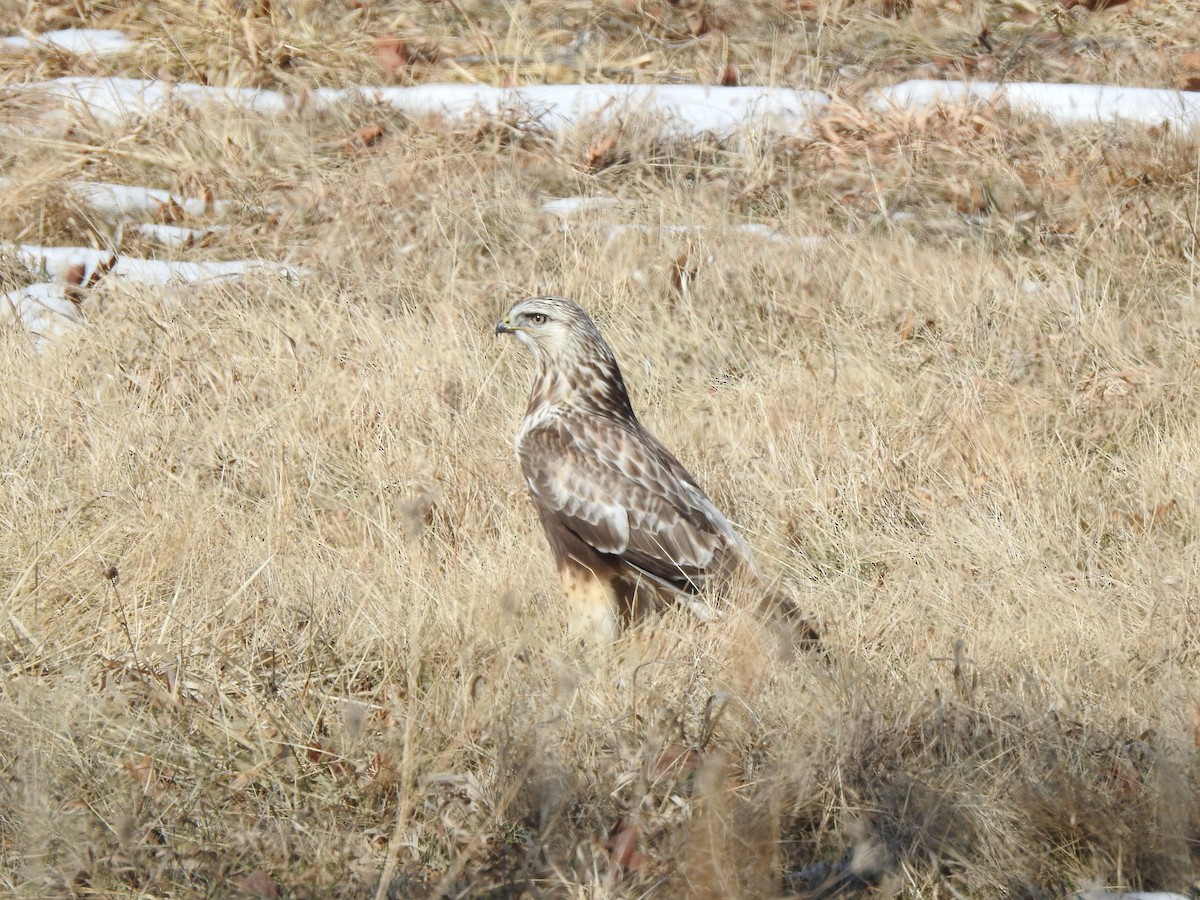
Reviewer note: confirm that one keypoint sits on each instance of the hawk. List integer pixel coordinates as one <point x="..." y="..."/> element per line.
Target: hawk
<point x="628" y="525"/>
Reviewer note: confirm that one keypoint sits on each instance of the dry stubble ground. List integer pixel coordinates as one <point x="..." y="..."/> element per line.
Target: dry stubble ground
<point x="277" y="614"/>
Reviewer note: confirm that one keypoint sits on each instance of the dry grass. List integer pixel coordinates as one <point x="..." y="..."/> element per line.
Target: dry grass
<point x="842" y="46"/>
<point x="276" y="612"/>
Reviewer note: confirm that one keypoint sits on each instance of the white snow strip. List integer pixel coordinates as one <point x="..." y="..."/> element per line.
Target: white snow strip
<point x="1066" y="103"/>
<point x="773" y="235"/>
<point x="79" y="41"/>
<point x="175" y="235"/>
<point x="127" y="201"/>
<point x="158" y="271"/>
<point x="683" y="109"/>
<point x="687" y="109"/>
<point x="42" y="309"/>
<point x="121" y="99"/>
<point x="55" y="261"/>
<point x="569" y="206"/>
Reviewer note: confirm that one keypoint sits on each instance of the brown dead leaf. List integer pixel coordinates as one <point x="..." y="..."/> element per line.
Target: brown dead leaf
<point x="829" y="131"/>
<point x="142" y="771"/>
<point x="380" y="765"/>
<point x="729" y="75"/>
<point x="1162" y="512"/>
<point x="152" y="780"/>
<point x="598" y="151"/>
<point x="983" y="40"/>
<point x="972" y="202"/>
<point x="369" y="134"/>
<point x="1189" y="71"/>
<point x="1196" y="726"/>
<point x="676" y="760"/>
<point x="1065" y="184"/>
<point x="914" y="327"/>
<point x="1093" y="5"/>
<point x="258" y="883"/>
<point x="77" y="278"/>
<point x="168" y="213"/>
<point x="365" y="137"/>
<point x="622" y="846"/>
<point x="317" y="754"/>
<point x="392" y="54"/>
<point x="74" y="278"/>
<point x="1144" y="520"/>
<point x="683" y="272"/>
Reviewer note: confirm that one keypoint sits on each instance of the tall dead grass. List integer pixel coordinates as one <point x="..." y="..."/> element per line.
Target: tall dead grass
<point x="277" y="615"/>
<point x="840" y="46"/>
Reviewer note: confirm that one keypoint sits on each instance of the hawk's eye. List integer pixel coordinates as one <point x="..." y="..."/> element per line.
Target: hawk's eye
<point x="537" y="318"/>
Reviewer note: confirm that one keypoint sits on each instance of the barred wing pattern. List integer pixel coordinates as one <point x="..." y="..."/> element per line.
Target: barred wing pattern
<point x="616" y="488"/>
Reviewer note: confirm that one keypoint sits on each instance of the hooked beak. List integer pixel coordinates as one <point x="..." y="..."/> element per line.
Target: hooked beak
<point x="503" y="327"/>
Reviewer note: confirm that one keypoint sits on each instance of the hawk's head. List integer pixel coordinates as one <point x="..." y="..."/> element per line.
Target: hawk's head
<point x="556" y="330"/>
<point x="574" y="364"/>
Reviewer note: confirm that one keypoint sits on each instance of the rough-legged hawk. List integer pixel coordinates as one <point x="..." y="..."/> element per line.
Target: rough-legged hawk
<point x="626" y="522"/>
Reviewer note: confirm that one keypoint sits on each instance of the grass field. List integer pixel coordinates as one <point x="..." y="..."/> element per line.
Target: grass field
<point x="277" y="618"/>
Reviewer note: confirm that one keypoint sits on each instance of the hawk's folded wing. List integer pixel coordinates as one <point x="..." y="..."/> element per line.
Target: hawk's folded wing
<point x="616" y="488"/>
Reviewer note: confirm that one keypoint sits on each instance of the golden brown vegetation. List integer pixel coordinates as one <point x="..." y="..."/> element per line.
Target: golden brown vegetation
<point x="839" y="45"/>
<point x="277" y="616"/>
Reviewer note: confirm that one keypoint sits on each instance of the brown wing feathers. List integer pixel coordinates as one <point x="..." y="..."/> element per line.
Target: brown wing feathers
<point x="608" y="486"/>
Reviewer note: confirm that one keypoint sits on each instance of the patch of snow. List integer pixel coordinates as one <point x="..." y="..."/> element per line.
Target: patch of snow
<point x="569" y="206"/>
<point x="55" y="261"/>
<point x="687" y="109"/>
<point x="160" y="271"/>
<point x="1065" y="103"/>
<point x="119" y="100"/>
<point x="774" y="235"/>
<point x="79" y="41"/>
<point x="127" y="201"/>
<point x="682" y="108"/>
<point x="44" y="310"/>
<point x="955" y="224"/>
